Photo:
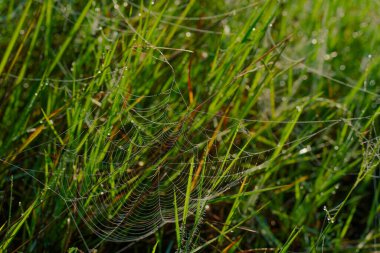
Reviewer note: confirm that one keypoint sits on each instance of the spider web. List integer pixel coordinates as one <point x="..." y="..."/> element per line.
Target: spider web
<point x="126" y="174"/>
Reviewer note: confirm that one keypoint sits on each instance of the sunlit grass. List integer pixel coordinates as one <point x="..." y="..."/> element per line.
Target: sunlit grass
<point x="189" y="126"/>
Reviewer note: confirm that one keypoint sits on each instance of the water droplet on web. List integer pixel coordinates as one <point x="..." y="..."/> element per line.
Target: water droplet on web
<point x="304" y="150"/>
<point x="227" y="29"/>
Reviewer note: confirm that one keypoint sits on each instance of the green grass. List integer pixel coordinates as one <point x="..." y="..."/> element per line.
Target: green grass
<point x="189" y="126"/>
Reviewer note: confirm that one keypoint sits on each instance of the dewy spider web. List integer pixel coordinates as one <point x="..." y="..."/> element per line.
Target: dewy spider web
<point x="136" y="154"/>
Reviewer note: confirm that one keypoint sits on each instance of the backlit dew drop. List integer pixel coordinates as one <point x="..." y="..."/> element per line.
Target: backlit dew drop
<point x="188" y="34"/>
<point x="304" y="150"/>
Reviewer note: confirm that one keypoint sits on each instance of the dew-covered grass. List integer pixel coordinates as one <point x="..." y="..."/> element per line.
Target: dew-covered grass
<point x="189" y="126"/>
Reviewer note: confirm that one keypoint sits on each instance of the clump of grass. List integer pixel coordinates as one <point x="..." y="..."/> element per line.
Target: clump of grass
<point x="189" y="126"/>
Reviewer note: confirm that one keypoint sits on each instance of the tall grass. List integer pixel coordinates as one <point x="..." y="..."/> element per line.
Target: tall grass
<point x="189" y="126"/>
